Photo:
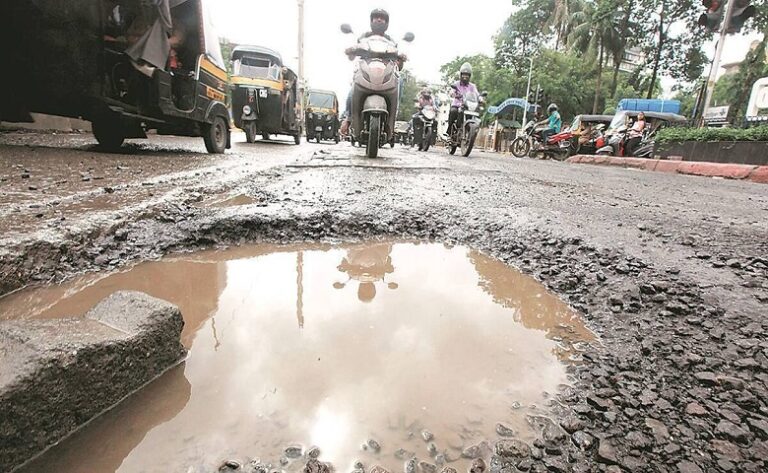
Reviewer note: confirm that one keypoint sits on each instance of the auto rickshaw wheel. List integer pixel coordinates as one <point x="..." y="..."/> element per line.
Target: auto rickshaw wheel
<point x="250" y="133"/>
<point x="574" y="146"/>
<point x="265" y="136"/>
<point x="215" y="135"/>
<point x="297" y="138"/>
<point x="108" y="133"/>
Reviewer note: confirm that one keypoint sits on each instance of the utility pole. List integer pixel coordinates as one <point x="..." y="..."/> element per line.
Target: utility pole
<point x="301" y="61"/>
<point x="718" y="54"/>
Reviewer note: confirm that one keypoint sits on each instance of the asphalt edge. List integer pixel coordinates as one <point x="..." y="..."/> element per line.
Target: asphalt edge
<point x="741" y="172"/>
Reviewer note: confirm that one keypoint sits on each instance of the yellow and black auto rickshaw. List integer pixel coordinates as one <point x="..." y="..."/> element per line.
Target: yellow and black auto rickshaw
<point x="128" y="66"/>
<point x="264" y="94"/>
<point x="321" y="118"/>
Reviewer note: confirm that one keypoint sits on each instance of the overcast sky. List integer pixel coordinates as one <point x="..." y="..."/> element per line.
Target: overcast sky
<point x="443" y="31"/>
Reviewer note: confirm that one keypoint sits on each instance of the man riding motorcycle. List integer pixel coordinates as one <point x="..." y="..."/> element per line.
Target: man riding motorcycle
<point x="425" y="98"/>
<point x="553" y="121"/>
<point x="459" y="89"/>
<point x="379" y="26"/>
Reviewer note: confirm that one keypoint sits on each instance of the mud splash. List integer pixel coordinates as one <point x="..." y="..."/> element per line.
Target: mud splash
<point x="382" y="345"/>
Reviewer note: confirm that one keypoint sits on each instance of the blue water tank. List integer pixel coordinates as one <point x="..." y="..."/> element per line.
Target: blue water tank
<point x="650" y="105"/>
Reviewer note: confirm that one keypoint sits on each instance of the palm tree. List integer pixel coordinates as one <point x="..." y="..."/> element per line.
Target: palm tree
<point x="596" y="33"/>
<point x="625" y="31"/>
<point x="561" y="19"/>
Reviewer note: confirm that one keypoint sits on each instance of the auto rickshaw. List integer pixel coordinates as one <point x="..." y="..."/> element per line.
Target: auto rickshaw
<point x="615" y="140"/>
<point x="128" y="66"/>
<point x="264" y="94"/>
<point x="322" y="116"/>
<point x="585" y="130"/>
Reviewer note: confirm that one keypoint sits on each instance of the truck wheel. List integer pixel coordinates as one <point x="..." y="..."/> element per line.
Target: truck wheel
<point x="215" y="135"/>
<point x="108" y="133"/>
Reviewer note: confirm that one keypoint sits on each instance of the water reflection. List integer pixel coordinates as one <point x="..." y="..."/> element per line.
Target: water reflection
<point x="279" y="357"/>
<point x="367" y="264"/>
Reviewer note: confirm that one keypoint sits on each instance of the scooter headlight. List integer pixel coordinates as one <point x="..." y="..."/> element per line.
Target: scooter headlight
<point x="472" y="105"/>
<point x="247" y="109"/>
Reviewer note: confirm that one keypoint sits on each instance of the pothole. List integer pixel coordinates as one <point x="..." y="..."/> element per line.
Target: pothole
<point x="373" y="352"/>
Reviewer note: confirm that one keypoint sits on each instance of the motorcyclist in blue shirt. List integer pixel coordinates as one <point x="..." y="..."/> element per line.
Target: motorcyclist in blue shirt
<point x="553" y="121"/>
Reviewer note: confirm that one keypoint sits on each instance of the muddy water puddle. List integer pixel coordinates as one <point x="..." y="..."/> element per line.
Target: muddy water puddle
<point x="326" y="347"/>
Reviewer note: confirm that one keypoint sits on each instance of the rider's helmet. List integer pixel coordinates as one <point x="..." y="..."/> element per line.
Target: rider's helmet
<point x="378" y="27"/>
<point x="552" y="108"/>
<point x="465" y="73"/>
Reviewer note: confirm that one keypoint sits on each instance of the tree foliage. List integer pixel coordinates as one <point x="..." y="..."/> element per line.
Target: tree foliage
<point x="411" y="88"/>
<point x="578" y="49"/>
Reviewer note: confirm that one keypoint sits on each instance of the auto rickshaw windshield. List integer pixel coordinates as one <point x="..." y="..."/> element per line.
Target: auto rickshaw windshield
<point x="321" y="100"/>
<point x="576" y="125"/>
<point x="618" y="121"/>
<point x="256" y="68"/>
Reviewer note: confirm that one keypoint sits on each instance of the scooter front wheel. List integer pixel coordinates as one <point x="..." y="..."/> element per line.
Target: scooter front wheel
<point x="374" y="136"/>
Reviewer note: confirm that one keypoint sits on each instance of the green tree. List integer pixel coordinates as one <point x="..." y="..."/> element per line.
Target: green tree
<point x="597" y="35"/>
<point x="411" y="88"/>
<point x="226" y="53"/>
<point x="671" y="39"/>
<point x="524" y="33"/>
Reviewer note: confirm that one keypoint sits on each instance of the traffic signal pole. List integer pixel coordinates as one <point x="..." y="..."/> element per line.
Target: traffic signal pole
<point x="301" y="61"/>
<point x="527" y="94"/>
<point x="718" y="54"/>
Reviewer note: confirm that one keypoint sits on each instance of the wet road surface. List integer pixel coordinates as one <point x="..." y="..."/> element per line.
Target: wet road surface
<point x="671" y="271"/>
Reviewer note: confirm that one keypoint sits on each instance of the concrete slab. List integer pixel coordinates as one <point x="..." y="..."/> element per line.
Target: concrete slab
<point x="57" y="375"/>
<point x="759" y="175"/>
<point x="727" y="171"/>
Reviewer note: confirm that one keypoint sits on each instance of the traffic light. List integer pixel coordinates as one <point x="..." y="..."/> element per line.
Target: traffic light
<point x="539" y="96"/>
<point x="531" y="97"/>
<point x="742" y="11"/>
<point x="714" y="16"/>
<point x="711" y="20"/>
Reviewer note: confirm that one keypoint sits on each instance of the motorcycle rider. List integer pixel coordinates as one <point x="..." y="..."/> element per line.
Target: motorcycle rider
<point x="459" y="89"/>
<point x="553" y="121"/>
<point x="379" y="26"/>
<point x="425" y="98"/>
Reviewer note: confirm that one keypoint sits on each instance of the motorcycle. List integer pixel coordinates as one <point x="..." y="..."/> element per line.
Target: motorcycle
<point x="558" y="146"/>
<point x="375" y="90"/>
<point x="464" y="131"/>
<point x="423" y="125"/>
